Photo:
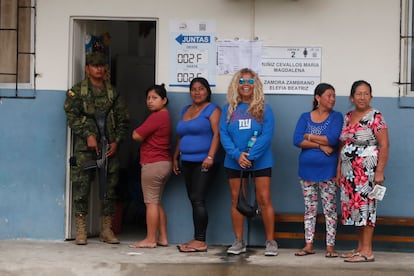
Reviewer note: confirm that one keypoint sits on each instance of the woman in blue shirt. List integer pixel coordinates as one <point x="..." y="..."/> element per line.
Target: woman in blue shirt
<point x="197" y="145"/>
<point x="317" y="134"/>
<point x="245" y="113"/>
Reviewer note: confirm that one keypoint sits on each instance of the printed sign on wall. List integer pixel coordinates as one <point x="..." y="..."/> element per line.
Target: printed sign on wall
<point x="290" y="70"/>
<point x="192" y="51"/>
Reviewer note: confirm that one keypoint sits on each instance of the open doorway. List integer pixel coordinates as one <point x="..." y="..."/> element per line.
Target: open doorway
<point x="132" y="51"/>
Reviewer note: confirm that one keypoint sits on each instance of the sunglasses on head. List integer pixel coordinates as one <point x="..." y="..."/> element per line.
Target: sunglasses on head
<point x="243" y="81"/>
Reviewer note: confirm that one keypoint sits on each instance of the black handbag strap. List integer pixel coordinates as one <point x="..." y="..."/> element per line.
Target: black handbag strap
<point x="252" y="176"/>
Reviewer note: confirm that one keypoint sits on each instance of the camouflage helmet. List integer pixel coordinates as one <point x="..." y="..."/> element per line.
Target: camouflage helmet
<point x="96" y="58"/>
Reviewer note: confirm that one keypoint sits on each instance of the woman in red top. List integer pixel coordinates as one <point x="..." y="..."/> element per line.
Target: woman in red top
<point x="156" y="166"/>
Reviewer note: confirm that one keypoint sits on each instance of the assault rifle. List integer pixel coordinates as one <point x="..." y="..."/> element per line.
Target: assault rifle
<point x="101" y="162"/>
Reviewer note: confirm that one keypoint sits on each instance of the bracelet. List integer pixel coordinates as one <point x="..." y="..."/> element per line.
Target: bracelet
<point x="209" y="157"/>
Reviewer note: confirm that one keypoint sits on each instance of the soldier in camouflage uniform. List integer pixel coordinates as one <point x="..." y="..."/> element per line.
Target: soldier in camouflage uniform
<point x="93" y="94"/>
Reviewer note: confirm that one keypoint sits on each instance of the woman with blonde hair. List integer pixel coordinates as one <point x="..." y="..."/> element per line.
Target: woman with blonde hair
<point x="244" y="115"/>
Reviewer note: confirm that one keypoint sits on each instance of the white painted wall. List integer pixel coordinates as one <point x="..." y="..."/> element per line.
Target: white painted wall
<point x="359" y="39"/>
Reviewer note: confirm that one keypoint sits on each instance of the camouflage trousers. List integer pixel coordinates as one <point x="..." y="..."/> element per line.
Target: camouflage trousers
<point x="83" y="179"/>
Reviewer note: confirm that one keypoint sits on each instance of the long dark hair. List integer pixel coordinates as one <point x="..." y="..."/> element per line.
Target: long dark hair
<point x="319" y="90"/>
<point x="205" y="83"/>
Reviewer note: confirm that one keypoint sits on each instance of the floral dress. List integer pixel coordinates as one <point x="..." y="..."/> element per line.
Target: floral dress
<point x="359" y="158"/>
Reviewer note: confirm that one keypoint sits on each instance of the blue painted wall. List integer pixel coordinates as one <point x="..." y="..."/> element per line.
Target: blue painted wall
<point x="32" y="167"/>
<point x="286" y="192"/>
<point x="33" y="157"/>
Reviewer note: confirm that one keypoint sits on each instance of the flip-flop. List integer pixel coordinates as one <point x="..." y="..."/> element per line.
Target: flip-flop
<point x="349" y="254"/>
<point x="162" y="244"/>
<point x="189" y="249"/>
<point x="304" y="252"/>
<point x="359" y="258"/>
<point x="331" y="254"/>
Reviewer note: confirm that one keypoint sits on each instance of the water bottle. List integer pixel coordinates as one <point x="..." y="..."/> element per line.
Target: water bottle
<point x="252" y="140"/>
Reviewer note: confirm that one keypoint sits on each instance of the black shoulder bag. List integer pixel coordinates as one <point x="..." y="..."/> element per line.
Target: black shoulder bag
<point x="243" y="206"/>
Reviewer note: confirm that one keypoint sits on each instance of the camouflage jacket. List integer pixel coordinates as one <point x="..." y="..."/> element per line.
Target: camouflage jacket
<point x="81" y="104"/>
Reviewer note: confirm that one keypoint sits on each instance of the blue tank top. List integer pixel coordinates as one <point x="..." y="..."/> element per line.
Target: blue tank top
<point x="196" y="135"/>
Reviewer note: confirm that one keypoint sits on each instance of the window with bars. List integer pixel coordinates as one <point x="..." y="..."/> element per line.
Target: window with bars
<point x="406" y="78"/>
<point x="17" y="47"/>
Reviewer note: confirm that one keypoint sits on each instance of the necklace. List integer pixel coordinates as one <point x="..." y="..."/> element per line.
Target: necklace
<point x="194" y="110"/>
<point x="319" y="116"/>
<point x="197" y="108"/>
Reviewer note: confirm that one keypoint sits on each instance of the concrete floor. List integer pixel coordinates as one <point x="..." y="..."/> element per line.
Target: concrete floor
<point x="63" y="258"/>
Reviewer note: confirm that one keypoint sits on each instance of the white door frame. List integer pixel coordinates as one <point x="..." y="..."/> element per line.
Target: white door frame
<point x="77" y="32"/>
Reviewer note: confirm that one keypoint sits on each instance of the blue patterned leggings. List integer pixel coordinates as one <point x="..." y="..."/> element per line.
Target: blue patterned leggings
<point x="328" y="196"/>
